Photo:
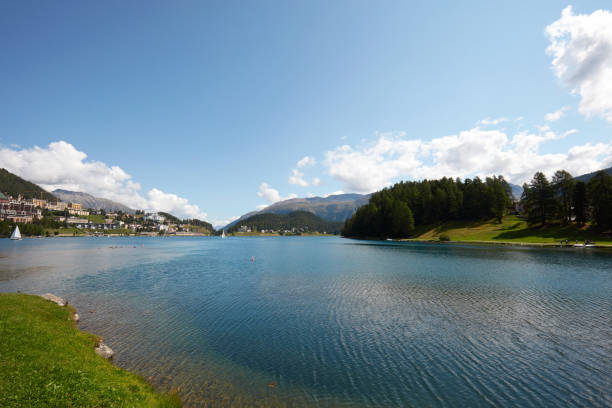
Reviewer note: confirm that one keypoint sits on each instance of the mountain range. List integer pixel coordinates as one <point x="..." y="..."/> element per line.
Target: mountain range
<point x="303" y="221"/>
<point x="336" y="208"/>
<point x="89" y="201"/>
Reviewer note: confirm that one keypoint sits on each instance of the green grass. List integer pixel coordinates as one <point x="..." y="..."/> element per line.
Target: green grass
<point x="97" y="218"/>
<point x="45" y="361"/>
<point x="511" y="229"/>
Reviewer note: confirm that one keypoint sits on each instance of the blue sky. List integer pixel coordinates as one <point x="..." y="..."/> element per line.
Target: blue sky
<point x="207" y="107"/>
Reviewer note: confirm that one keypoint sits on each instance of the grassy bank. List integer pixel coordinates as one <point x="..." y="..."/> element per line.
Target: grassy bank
<point x="512" y="229"/>
<point x="46" y="361"/>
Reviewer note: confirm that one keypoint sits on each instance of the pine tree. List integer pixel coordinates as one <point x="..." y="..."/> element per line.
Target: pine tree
<point x="600" y="197"/>
<point x="580" y="202"/>
<point x="563" y="185"/>
<point x="538" y="199"/>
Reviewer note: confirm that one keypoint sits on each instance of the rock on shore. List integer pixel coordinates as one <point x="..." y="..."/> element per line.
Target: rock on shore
<point x="53" y="298"/>
<point x="101" y="349"/>
<point x="104" y="351"/>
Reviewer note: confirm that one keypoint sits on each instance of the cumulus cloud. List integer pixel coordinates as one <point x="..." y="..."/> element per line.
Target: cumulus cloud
<point x="556" y="115"/>
<point x="223" y="222"/>
<point x="472" y="152"/>
<point x="581" y="47"/>
<point x="270" y="194"/>
<point x="338" y="192"/>
<point x="373" y="166"/>
<point x="297" y="177"/>
<point x="316" y="181"/>
<point x="61" y="165"/>
<point x="306" y="161"/>
<point x="489" y="121"/>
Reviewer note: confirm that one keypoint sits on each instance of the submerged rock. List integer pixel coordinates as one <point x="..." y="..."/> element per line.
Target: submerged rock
<point x="104" y="351"/>
<point x="55" y="299"/>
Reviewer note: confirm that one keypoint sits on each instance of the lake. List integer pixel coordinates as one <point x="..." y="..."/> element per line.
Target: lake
<point x="338" y="322"/>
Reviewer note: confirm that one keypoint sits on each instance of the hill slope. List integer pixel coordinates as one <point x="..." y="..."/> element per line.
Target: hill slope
<point x="89" y="201"/>
<point x="512" y="229"/>
<point x="331" y="208"/>
<point x="303" y="221"/>
<point x="588" y="176"/>
<point x="11" y="184"/>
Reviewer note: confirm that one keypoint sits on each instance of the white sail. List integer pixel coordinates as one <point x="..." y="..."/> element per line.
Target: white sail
<point x="223" y="234"/>
<point x="16" y="234"/>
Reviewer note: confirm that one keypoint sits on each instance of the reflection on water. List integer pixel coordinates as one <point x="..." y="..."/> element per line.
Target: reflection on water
<point x="335" y="322"/>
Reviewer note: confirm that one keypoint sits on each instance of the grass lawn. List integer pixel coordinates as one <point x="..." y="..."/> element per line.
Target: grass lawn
<point x="97" y="218"/>
<point x="65" y="231"/>
<point x="511" y="229"/>
<point x="45" y="361"/>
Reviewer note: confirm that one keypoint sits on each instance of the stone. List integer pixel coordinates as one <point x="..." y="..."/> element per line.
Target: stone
<point x="104" y="351"/>
<point x="55" y="299"/>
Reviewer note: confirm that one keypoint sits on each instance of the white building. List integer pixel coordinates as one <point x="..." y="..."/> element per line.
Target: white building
<point x="155" y="217"/>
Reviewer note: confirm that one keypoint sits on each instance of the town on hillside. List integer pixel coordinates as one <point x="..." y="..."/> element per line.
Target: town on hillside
<point x="38" y="216"/>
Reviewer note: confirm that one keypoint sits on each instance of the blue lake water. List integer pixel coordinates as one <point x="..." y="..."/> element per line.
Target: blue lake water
<point x="336" y="322"/>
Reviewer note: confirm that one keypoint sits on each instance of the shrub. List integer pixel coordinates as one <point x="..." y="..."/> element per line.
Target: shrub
<point x="444" y="238"/>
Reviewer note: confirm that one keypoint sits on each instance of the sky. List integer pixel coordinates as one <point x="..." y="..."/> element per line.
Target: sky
<point x="211" y="109"/>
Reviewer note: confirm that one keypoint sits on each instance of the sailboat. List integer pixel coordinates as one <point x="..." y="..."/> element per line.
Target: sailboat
<point x="223" y="234"/>
<point x="16" y="235"/>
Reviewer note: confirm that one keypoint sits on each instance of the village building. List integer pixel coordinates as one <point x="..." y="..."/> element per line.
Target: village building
<point x="155" y="217"/>
<point x="78" y="212"/>
<point x="17" y="210"/>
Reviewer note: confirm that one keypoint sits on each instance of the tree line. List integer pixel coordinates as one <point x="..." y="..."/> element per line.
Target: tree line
<point x="567" y="200"/>
<point x="396" y="212"/>
<point x="300" y="220"/>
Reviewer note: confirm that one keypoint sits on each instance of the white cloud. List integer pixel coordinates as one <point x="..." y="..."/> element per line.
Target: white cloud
<point x="334" y="193"/>
<point x="222" y="223"/>
<point x="61" y="165"/>
<point x="316" y="181"/>
<point x="297" y="177"/>
<point x="466" y="154"/>
<point x="306" y="161"/>
<point x="581" y="47"/>
<point x="489" y="121"/>
<point x="157" y="200"/>
<point x="374" y="166"/>
<point x="271" y="194"/>
<point x="556" y="115"/>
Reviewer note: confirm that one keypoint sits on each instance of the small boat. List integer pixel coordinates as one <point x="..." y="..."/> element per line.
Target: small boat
<point x="16" y="235"/>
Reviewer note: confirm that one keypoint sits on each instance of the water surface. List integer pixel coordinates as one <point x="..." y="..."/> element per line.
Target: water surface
<point x="335" y="322"/>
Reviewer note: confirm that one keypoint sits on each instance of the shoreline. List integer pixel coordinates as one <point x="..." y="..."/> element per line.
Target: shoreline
<point x="42" y="344"/>
<point x="484" y="242"/>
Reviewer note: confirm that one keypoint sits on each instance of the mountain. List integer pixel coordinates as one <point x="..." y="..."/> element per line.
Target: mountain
<point x="588" y="176"/>
<point x="302" y="221"/>
<point x="89" y="201"/>
<point x="337" y="207"/>
<point x="517" y="191"/>
<point x="13" y="185"/>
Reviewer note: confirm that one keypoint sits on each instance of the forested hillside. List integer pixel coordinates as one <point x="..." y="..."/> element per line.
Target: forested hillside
<point x="300" y="220"/>
<point x="395" y="211"/>
<point x="11" y="184"/>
